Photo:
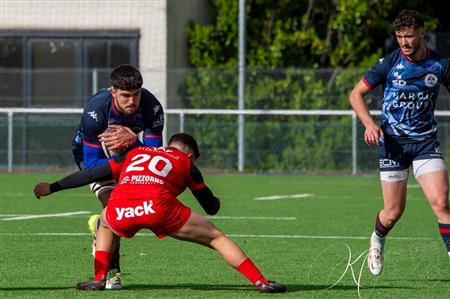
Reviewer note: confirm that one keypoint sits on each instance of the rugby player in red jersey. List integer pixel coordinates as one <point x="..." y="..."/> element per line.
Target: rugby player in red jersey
<point x="149" y="179"/>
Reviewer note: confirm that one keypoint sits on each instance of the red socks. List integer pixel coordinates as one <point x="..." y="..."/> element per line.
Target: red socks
<point x="101" y="264"/>
<point x="251" y="272"/>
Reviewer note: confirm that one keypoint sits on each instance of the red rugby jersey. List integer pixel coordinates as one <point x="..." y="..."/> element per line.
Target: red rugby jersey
<point x="154" y="171"/>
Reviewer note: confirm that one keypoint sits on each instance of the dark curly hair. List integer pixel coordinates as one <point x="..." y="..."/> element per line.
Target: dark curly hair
<point x="126" y="77"/>
<point x="408" y="18"/>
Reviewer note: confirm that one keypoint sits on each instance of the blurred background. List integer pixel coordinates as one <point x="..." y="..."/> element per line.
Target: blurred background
<point x="300" y="55"/>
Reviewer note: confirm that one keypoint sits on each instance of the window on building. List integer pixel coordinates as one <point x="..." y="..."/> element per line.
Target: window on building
<point x="11" y="64"/>
<point x="60" y="69"/>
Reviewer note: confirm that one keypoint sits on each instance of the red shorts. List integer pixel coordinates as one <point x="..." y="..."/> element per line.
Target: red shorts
<point x="163" y="216"/>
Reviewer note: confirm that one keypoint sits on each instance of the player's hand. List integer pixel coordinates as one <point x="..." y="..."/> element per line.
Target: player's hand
<point x="372" y="134"/>
<point x="117" y="137"/>
<point x="42" y="189"/>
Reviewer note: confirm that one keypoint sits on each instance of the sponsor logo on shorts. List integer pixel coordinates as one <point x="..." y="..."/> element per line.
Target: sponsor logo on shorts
<point x="388" y="163"/>
<point x="130" y="212"/>
<point x="394" y="177"/>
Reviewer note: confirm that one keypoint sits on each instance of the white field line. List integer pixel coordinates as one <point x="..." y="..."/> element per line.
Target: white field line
<point x="276" y="197"/>
<point x="234" y="236"/>
<point x="413" y="186"/>
<point x="27" y="216"/>
<point x="30" y="194"/>
<point x="12" y="215"/>
<point x="24" y="217"/>
<point x="18" y="194"/>
<point x="252" y="218"/>
<point x="322" y="237"/>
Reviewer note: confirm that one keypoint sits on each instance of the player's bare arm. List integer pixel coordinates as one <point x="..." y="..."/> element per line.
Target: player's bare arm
<point x="118" y="137"/>
<point x="372" y="132"/>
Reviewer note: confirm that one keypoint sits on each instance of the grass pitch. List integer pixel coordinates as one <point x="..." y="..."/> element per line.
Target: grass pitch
<point x="309" y="233"/>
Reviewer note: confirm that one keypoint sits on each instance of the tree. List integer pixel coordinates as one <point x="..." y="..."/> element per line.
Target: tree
<point x="301" y="54"/>
<point x="300" y="33"/>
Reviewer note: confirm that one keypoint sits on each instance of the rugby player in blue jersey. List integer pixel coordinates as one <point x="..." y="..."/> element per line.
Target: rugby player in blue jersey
<point x="113" y="120"/>
<point x="407" y="136"/>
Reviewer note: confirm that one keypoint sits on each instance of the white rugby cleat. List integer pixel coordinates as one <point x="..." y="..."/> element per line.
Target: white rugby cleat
<point x="375" y="259"/>
<point x="113" y="280"/>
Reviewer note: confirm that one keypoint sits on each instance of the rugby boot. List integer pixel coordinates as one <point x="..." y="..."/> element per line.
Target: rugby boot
<point x="271" y="287"/>
<point x="375" y="259"/>
<point x="91" y="285"/>
<point x="113" y="280"/>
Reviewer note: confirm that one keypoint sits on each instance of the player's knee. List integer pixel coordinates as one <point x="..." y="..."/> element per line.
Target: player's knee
<point x="216" y="236"/>
<point x="216" y="233"/>
<point x="103" y="195"/>
<point x="102" y="191"/>
<point x="441" y="205"/>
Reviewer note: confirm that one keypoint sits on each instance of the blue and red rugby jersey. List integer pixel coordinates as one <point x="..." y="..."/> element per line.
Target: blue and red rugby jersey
<point x="410" y="90"/>
<point x="100" y="112"/>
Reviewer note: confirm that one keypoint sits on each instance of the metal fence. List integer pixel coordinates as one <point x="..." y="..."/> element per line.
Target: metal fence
<point x="35" y="139"/>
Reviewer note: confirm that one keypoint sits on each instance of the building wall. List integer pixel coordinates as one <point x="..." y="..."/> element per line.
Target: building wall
<point x="149" y="17"/>
<point x="179" y="13"/>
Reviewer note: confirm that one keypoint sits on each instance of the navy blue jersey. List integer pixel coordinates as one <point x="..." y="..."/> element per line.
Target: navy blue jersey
<point x="410" y="93"/>
<point x="100" y="111"/>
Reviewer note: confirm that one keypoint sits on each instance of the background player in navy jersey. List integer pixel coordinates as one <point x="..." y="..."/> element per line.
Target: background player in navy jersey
<point x="112" y="120"/>
<point x="411" y="77"/>
<point x="149" y="179"/>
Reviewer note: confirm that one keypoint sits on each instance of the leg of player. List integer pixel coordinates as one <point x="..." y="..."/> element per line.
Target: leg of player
<point x="103" y="191"/>
<point x="200" y="230"/>
<point x="435" y="187"/>
<point x="394" y="197"/>
<point x="106" y="242"/>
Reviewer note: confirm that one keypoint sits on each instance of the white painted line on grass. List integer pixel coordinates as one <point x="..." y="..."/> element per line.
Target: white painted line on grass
<point x="276" y="197"/>
<point x="235" y="236"/>
<point x="17" y="194"/>
<point x="321" y="237"/>
<point x="253" y="218"/>
<point x="27" y="216"/>
<point x="9" y="194"/>
<point x="12" y="215"/>
<point x="47" y="234"/>
<point x="24" y="217"/>
<point x="413" y="186"/>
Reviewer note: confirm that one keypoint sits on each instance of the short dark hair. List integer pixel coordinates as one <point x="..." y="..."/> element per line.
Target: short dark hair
<point x="188" y="141"/>
<point x="408" y="18"/>
<point x="126" y="77"/>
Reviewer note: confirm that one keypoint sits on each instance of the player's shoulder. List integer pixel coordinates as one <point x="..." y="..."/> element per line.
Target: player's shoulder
<point x="439" y="57"/>
<point x="166" y="152"/>
<point x="149" y="97"/>
<point x="100" y="100"/>
<point x="390" y="60"/>
<point x="150" y="104"/>
<point x="96" y="110"/>
<point x="151" y="150"/>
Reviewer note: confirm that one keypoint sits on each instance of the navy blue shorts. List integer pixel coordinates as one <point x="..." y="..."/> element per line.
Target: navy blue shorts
<point x="394" y="156"/>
